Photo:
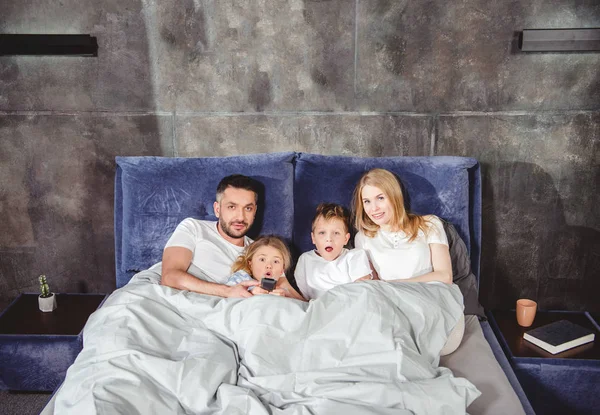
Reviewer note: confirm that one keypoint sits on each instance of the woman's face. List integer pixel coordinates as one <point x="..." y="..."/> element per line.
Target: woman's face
<point x="377" y="206"/>
<point x="267" y="262"/>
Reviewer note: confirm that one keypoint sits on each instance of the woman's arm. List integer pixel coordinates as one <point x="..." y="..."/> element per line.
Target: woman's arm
<point x="442" y="266"/>
<point x="374" y="271"/>
<point x="365" y="278"/>
<point x="284" y="288"/>
<point x="365" y="264"/>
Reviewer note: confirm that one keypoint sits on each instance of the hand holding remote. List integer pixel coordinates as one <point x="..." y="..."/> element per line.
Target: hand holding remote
<point x="268" y="284"/>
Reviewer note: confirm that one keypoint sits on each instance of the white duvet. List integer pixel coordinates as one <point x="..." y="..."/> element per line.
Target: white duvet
<point x="363" y="348"/>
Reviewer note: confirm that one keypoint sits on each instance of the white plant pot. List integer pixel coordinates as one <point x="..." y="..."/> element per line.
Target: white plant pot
<point x="47" y="304"/>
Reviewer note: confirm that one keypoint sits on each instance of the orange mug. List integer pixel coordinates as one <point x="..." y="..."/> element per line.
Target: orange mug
<point x="526" y="312"/>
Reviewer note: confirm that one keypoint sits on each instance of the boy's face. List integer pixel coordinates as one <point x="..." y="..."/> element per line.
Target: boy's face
<point x="267" y="262"/>
<point x="329" y="236"/>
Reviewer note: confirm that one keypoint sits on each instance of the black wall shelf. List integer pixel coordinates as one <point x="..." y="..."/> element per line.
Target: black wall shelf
<point x="48" y="45"/>
<point x="559" y="40"/>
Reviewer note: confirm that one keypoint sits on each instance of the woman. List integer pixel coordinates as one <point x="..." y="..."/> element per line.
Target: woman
<point x="402" y="246"/>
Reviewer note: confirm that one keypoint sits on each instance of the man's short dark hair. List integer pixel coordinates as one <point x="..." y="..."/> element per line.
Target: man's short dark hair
<point x="237" y="181"/>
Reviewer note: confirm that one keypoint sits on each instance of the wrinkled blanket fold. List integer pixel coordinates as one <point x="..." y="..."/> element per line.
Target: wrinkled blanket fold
<point x="363" y="348"/>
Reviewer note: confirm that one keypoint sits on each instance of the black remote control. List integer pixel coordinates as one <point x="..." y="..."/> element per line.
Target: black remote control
<point x="268" y="284"/>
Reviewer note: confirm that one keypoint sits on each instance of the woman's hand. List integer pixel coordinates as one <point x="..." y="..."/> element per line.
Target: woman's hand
<point x="375" y="274"/>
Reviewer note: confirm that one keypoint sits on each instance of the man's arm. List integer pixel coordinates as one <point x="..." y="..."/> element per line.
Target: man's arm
<point x="176" y="260"/>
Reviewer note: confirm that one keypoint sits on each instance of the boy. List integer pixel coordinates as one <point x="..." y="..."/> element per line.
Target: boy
<point x="330" y="264"/>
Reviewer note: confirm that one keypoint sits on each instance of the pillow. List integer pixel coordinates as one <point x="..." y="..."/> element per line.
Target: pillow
<point x="461" y="271"/>
<point x="454" y="338"/>
<point x="433" y="185"/>
<point x="154" y="194"/>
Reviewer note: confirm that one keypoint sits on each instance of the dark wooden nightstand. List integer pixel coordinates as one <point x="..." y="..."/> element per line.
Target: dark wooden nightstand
<point x="567" y="382"/>
<point x="36" y="348"/>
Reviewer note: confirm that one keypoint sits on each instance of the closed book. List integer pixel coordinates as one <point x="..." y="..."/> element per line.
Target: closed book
<point x="576" y="352"/>
<point x="559" y="336"/>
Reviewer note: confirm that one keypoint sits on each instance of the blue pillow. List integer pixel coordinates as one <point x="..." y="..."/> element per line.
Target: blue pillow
<point x="461" y="272"/>
<point x="154" y="194"/>
<point x="444" y="186"/>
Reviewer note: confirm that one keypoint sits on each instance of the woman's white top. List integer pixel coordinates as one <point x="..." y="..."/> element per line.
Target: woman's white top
<point x="394" y="257"/>
<point x="315" y="275"/>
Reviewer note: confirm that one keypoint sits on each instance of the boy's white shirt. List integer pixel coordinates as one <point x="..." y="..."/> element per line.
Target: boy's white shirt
<point x="315" y="275"/>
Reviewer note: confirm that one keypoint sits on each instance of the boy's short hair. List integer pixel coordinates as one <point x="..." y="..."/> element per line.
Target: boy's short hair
<point x="330" y="211"/>
<point x="237" y="181"/>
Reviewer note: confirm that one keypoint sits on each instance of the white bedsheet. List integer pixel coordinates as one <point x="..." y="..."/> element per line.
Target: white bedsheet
<point x="363" y="348"/>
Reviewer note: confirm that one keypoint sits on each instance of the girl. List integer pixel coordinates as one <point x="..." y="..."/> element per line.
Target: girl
<point x="401" y="245"/>
<point x="267" y="257"/>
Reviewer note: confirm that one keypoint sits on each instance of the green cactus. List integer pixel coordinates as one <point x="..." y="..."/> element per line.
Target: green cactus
<point x="45" y="290"/>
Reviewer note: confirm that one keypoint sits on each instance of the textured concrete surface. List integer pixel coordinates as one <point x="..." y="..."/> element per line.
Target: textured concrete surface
<point x="56" y="197"/>
<point x="118" y="79"/>
<point x="462" y="56"/>
<point x="541" y="191"/>
<point x="368" y="77"/>
<point x="370" y="135"/>
<point x="255" y="55"/>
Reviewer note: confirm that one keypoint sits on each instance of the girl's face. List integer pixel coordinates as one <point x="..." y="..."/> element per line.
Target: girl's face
<point x="267" y="262"/>
<point x="377" y="206"/>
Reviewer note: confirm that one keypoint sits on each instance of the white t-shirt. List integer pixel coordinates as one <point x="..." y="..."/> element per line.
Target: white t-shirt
<point x="213" y="255"/>
<point x="393" y="257"/>
<point x="315" y="275"/>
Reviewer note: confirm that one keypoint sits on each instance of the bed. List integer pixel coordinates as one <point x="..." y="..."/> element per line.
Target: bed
<point x="366" y="348"/>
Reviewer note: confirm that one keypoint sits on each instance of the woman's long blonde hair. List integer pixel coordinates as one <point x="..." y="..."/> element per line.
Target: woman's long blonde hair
<point x="401" y="220"/>
<point x="243" y="261"/>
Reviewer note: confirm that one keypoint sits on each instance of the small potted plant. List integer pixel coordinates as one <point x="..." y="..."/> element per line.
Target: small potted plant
<point x="47" y="299"/>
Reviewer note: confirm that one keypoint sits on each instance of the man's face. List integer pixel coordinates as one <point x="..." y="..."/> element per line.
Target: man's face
<point x="236" y="211"/>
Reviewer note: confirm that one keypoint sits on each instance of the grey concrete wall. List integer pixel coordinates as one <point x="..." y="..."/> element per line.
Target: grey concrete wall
<point x="365" y="77"/>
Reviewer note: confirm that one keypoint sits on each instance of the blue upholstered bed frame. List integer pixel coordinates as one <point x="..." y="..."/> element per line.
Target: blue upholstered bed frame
<point x="154" y="194"/>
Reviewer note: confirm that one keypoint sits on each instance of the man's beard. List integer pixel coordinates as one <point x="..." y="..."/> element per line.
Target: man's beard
<point x="232" y="233"/>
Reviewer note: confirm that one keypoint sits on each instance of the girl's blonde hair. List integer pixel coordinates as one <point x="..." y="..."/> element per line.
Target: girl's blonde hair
<point x="243" y="261"/>
<point x="401" y="220"/>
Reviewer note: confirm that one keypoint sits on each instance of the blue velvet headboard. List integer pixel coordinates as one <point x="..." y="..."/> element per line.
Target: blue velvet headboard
<point x="153" y="194"/>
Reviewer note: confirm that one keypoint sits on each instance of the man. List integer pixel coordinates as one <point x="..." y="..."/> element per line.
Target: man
<point x="210" y="248"/>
